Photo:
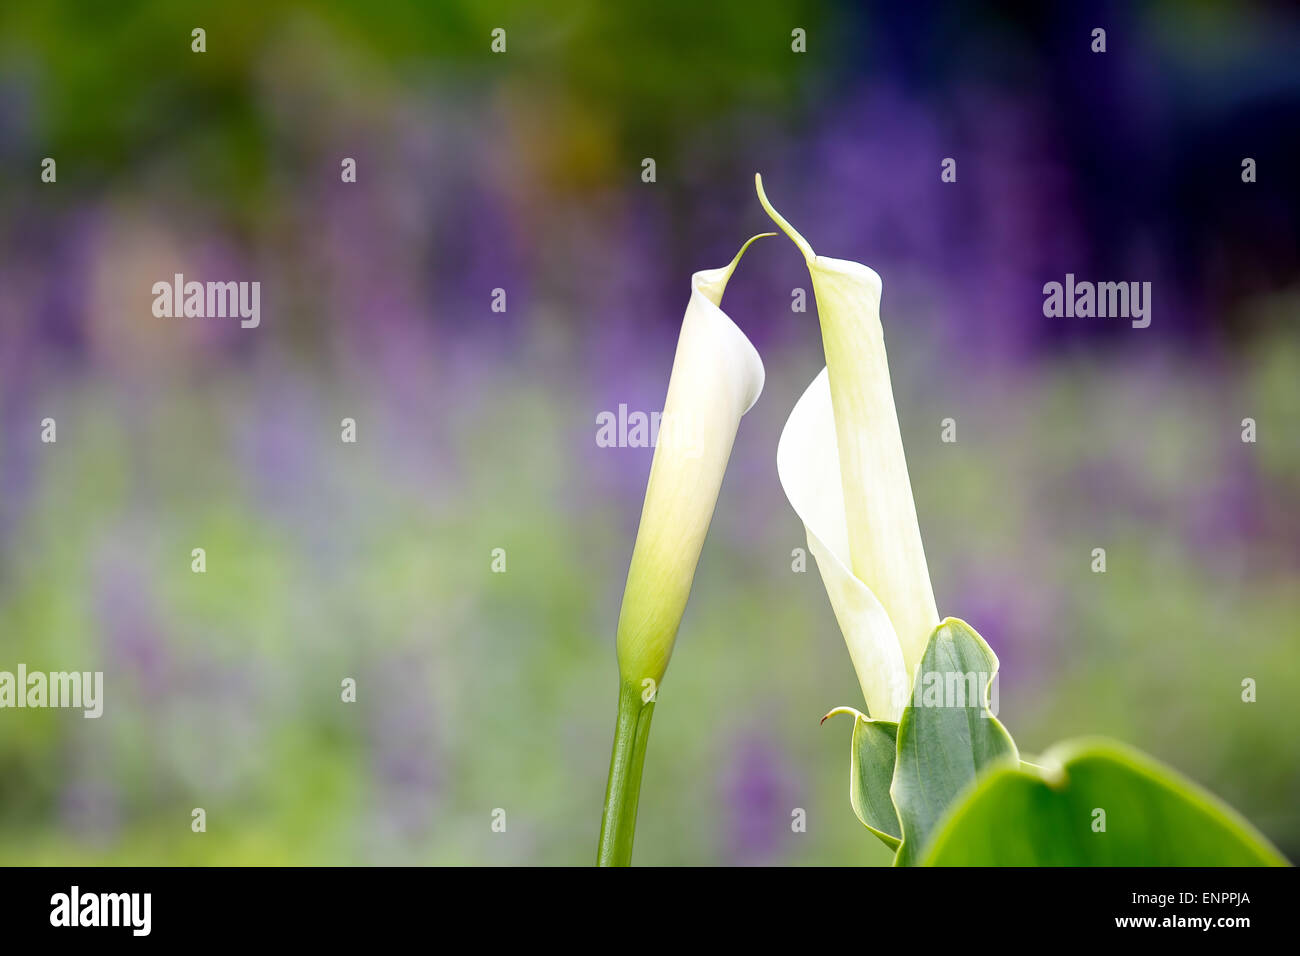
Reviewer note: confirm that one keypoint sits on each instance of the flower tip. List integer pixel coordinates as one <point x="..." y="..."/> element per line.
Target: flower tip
<point x="788" y="229"/>
<point x="749" y="242"/>
<point x="713" y="282"/>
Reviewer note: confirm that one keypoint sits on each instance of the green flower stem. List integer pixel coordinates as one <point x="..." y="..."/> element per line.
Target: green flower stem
<point x="618" y="824"/>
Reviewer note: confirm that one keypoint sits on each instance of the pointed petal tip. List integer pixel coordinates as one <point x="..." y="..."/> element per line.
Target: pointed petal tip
<point x="780" y="220"/>
<point x="713" y="282"/>
<point x="748" y="242"/>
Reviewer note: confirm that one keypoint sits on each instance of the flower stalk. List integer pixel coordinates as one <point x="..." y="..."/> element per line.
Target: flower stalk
<point x="623" y="792"/>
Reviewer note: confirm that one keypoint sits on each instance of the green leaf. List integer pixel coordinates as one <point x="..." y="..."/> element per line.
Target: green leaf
<point x="1045" y="816"/>
<point x="947" y="734"/>
<point x="871" y="768"/>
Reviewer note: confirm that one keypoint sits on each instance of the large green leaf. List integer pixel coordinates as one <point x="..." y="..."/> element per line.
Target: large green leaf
<point x="871" y="768"/>
<point x="947" y="734"/>
<point x="1049" y="816"/>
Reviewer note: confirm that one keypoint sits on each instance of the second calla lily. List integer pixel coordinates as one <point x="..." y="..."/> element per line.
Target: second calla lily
<point x="841" y="463"/>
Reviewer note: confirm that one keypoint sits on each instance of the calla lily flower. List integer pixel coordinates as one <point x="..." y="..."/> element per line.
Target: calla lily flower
<point x="841" y="463"/>
<point x="717" y="376"/>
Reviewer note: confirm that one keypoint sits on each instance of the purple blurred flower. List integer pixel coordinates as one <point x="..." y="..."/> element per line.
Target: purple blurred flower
<point x="757" y="792"/>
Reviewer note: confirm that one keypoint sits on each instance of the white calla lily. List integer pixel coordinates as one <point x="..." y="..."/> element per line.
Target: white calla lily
<point x="842" y="466"/>
<point x="717" y="376"/>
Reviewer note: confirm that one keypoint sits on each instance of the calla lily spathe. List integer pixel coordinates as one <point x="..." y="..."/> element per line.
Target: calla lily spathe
<point x="841" y="463"/>
<point x="717" y="376"/>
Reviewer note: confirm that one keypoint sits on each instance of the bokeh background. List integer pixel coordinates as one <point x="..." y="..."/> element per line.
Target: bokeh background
<point x="476" y="430"/>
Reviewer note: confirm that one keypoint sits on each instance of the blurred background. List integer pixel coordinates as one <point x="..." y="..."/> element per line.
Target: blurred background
<point x="476" y="429"/>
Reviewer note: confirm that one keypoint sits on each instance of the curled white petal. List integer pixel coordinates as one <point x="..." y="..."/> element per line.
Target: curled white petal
<point x="717" y="376"/>
<point x="885" y="551"/>
<point x="808" y="463"/>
